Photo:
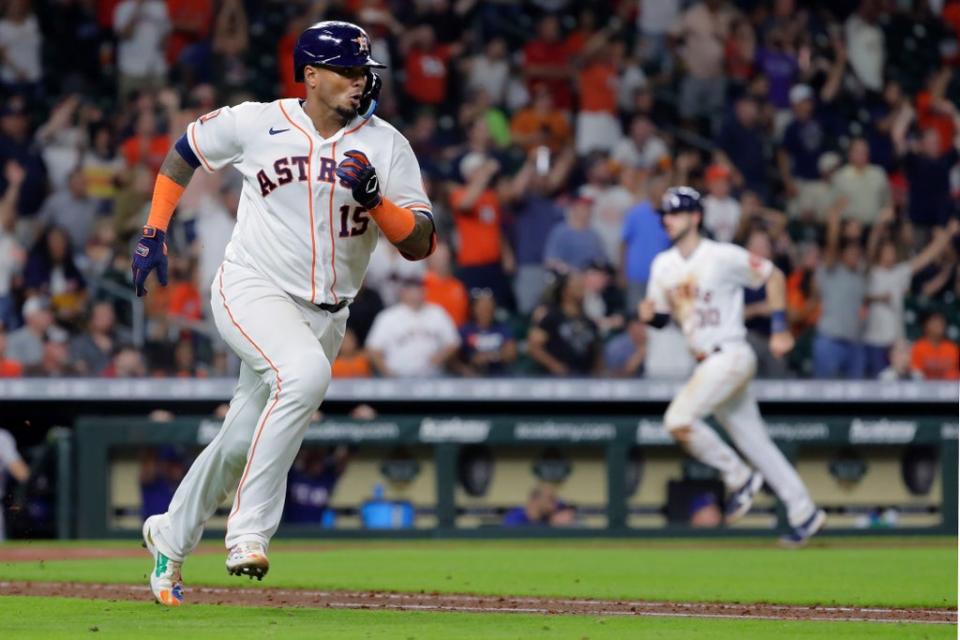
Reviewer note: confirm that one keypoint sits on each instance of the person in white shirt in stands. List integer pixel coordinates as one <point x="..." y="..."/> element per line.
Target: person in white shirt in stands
<point x="888" y="282"/>
<point x="642" y="148"/>
<point x="20" y="41"/>
<point x="142" y="27"/>
<point x="654" y="20"/>
<point x="863" y="35"/>
<point x="12" y="463"/>
<point x="865" y="186"/>
<point x="490" y="71"/>
<point x="900" y="366"/>
<point x="413" y="338"/>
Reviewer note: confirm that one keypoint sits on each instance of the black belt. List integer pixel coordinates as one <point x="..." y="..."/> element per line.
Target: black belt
<point x="700" y="357"/>
<point x="703" y="355"/>
<point x="333" y="308"/>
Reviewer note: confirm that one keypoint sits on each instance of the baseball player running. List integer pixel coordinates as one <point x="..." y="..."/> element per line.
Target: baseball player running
<point x="321" y="176"/>
<point x="700" y="283"/>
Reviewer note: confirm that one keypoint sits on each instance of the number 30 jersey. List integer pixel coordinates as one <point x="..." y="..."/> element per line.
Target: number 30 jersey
<point x="296" y="224"/>
<point x="704" y="292"/>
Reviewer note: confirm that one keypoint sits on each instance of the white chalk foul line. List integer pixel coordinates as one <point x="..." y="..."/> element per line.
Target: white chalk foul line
<point x="497" y="601"/>
<point x="608" y="613"/>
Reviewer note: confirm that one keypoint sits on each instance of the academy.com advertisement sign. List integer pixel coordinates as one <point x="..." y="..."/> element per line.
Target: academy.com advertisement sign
<point x="882" y="431"/>
<point x="646" y="431"/>
<point x="327" y="431"/>
<point x="652" y="432"/>
<point x="565" y="431"/>
<point x="454" y="430"/>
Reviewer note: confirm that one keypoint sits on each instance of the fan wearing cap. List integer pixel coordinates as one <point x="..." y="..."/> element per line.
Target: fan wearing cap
<point x="26" y="344"/>
<point x="323" y="178"/>
<point x="484" y="253"/>
<point x="574" y="244"/>
<point x="413" y="338"/>
<point x="805" y="140"/>
<point x="721" y="211"/>
<point x="700" y="284"/>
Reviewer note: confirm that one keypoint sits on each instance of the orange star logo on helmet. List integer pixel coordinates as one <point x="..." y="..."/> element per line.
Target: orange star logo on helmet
<point x="363" y="44"/>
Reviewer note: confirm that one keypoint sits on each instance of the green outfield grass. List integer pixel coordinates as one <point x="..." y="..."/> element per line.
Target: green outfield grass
<point x="840" y="573"/>
<point x="28" y="618"/>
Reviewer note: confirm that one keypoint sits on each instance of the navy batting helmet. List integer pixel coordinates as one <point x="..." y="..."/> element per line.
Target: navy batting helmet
<point x="681" y="200"/>
<point x="334" y="44"/>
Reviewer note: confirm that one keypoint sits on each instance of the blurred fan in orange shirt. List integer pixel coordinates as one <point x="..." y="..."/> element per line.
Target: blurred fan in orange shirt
<point x="598" y="127"/>
<point x="598" y="85"/>
<point x="352" y="361"/>
<point x="934" y="111"/>
<point x="803" y="308"/>
<point x="443" y="289"/>
<point x="933" y="355"/>
<point x="185" y="301"/>
<point x="147" y="146"/>
<point x="541" y="123"/>
<point x="192" y="20"/>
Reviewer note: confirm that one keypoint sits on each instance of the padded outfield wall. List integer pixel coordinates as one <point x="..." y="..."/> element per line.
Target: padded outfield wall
<point x="854" y="443"/>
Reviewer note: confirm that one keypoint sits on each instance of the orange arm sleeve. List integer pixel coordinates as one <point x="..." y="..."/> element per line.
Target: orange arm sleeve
<point x="396" y="222"/>
<point x="166" y="195"/>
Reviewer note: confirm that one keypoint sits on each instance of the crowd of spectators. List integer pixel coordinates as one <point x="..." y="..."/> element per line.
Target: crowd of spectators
<point x="823" y="135"/>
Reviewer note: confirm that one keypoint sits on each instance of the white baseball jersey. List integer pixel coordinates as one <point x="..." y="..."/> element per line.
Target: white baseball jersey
<point x="704" y="291"/>
<point x="8" y="456"/>
<point x="296" y="224"/>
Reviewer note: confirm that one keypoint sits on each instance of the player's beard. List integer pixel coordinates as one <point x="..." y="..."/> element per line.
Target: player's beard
<point x="691" y="228"/>
<point x="346" y="113"/>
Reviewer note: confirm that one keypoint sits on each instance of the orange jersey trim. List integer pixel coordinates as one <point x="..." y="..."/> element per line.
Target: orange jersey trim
<point x="359" y="126"/>
<point x="313" y="238"/>
<point x="333" y="242"/>
<point x="266" y="415"/>
<point x="196" y="147"/>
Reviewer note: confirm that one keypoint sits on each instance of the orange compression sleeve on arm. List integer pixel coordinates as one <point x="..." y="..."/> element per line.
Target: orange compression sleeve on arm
<point x="396" y="222"/>
<point x="166" y="195"/>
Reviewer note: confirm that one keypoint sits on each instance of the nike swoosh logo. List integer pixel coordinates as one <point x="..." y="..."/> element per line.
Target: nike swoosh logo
<point x="274" y="132"/>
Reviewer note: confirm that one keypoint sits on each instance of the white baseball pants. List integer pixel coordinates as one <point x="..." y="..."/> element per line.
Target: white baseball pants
<point x="286" y="347"/>
<point x="719" y="387"/>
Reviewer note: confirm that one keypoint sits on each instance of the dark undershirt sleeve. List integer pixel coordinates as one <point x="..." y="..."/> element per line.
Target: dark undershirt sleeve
<point x="660" y="320"/>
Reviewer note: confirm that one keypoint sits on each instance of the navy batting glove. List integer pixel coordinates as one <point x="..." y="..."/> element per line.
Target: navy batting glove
<point x="150" y="254"/>
<point x="357" y="174"/>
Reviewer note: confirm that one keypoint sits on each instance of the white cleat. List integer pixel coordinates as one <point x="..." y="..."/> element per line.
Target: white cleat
<point x="166" y="582"/>
<point x="248" y="559"/>
<point x="801" y="534"/>
<point x="740" y="501"/>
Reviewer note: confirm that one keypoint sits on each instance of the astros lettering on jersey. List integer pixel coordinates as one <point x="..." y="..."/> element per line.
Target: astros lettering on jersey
<point x="295" y="222"/>
<point x="704" y="292"/>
